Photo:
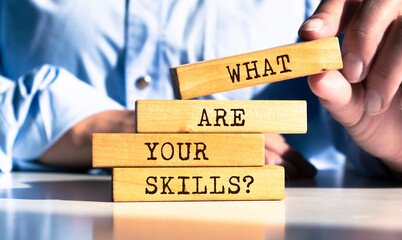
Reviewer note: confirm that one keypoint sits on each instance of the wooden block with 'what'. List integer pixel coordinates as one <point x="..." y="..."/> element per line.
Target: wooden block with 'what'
<point x="250" y="69"/>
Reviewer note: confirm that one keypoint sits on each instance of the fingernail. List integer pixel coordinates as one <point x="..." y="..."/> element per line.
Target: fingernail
<point x="313" y="24"/>
<point x="372" y="102"/>
<point x="352" y="67"/>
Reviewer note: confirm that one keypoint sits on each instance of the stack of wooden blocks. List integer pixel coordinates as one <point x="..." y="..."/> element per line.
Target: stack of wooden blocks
<point x="195" y="150"/>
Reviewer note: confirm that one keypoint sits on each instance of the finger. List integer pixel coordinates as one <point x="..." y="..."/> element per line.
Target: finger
<point x="343" y="100"/>
<point x="273" y="158"/>
<point x="277" y="144"/>
<point x="274" y="141"/>
<point x="364" y="34"/>
<point x="385" y="76"/>
<point x="329" y="19"/>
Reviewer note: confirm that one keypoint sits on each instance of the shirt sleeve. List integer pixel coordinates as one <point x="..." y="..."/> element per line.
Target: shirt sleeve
<point x="38" y="108"/>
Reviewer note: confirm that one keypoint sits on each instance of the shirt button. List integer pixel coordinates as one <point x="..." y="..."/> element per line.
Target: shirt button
<point x="143" y="82"/>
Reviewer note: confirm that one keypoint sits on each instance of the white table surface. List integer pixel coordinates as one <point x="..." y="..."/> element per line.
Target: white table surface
<point x="335" y="205"/>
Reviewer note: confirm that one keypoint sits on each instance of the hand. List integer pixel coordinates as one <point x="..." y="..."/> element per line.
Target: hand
<point x="74" y="148"/>
<point x="278" y="152"/>
<point x="366" y="95"/>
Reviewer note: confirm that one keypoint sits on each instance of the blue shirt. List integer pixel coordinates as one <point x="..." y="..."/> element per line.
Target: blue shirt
<point x="63" y="61"/>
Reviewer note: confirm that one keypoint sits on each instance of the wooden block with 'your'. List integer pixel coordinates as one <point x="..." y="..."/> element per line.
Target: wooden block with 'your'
<point x="198" y="183"/>
<point x="250" y="69"/>
<point x="172" y="150"/>
<point x="221" y="116"/>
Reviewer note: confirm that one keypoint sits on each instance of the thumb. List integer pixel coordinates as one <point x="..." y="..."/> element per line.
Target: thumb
<point x="330" y="19"/>
<point x="342" y="99"/>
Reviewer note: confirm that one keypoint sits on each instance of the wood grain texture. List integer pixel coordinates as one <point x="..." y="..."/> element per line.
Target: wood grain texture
<point x="198" y="184"/>
<point x="172" y="150"/>
<point x="271" y="65"/>
<point x="216" y="116"/>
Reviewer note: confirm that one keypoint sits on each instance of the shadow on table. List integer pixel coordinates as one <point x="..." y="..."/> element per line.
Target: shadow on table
<point x="74" y="190"/>
<point x="42" y="224"/>
<point x="343" y="179"/>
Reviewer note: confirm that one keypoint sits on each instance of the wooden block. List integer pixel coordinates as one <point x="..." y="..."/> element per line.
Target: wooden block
<point x="169" y="150"/>
<point x="250" y="116"/>
<point x="272" y="65"/>
<point x="198" y="184"/>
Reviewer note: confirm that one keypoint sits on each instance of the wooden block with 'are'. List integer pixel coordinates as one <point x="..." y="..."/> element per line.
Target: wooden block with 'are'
<point x="221" y="116"/>
<point x="271" y="65"/>
<point x="172" y="150"/>
<point x="198" y="183"/>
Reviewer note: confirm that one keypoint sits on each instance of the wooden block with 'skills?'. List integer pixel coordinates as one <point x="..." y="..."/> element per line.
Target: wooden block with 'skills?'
<point x="217" y="116"/>
<point x="271" y="65"/>
<point x="171" y="150"/>
<point x="198" y="183"/>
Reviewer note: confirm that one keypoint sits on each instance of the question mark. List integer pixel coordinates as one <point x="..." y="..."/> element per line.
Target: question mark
<point x="248" y="184"/>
